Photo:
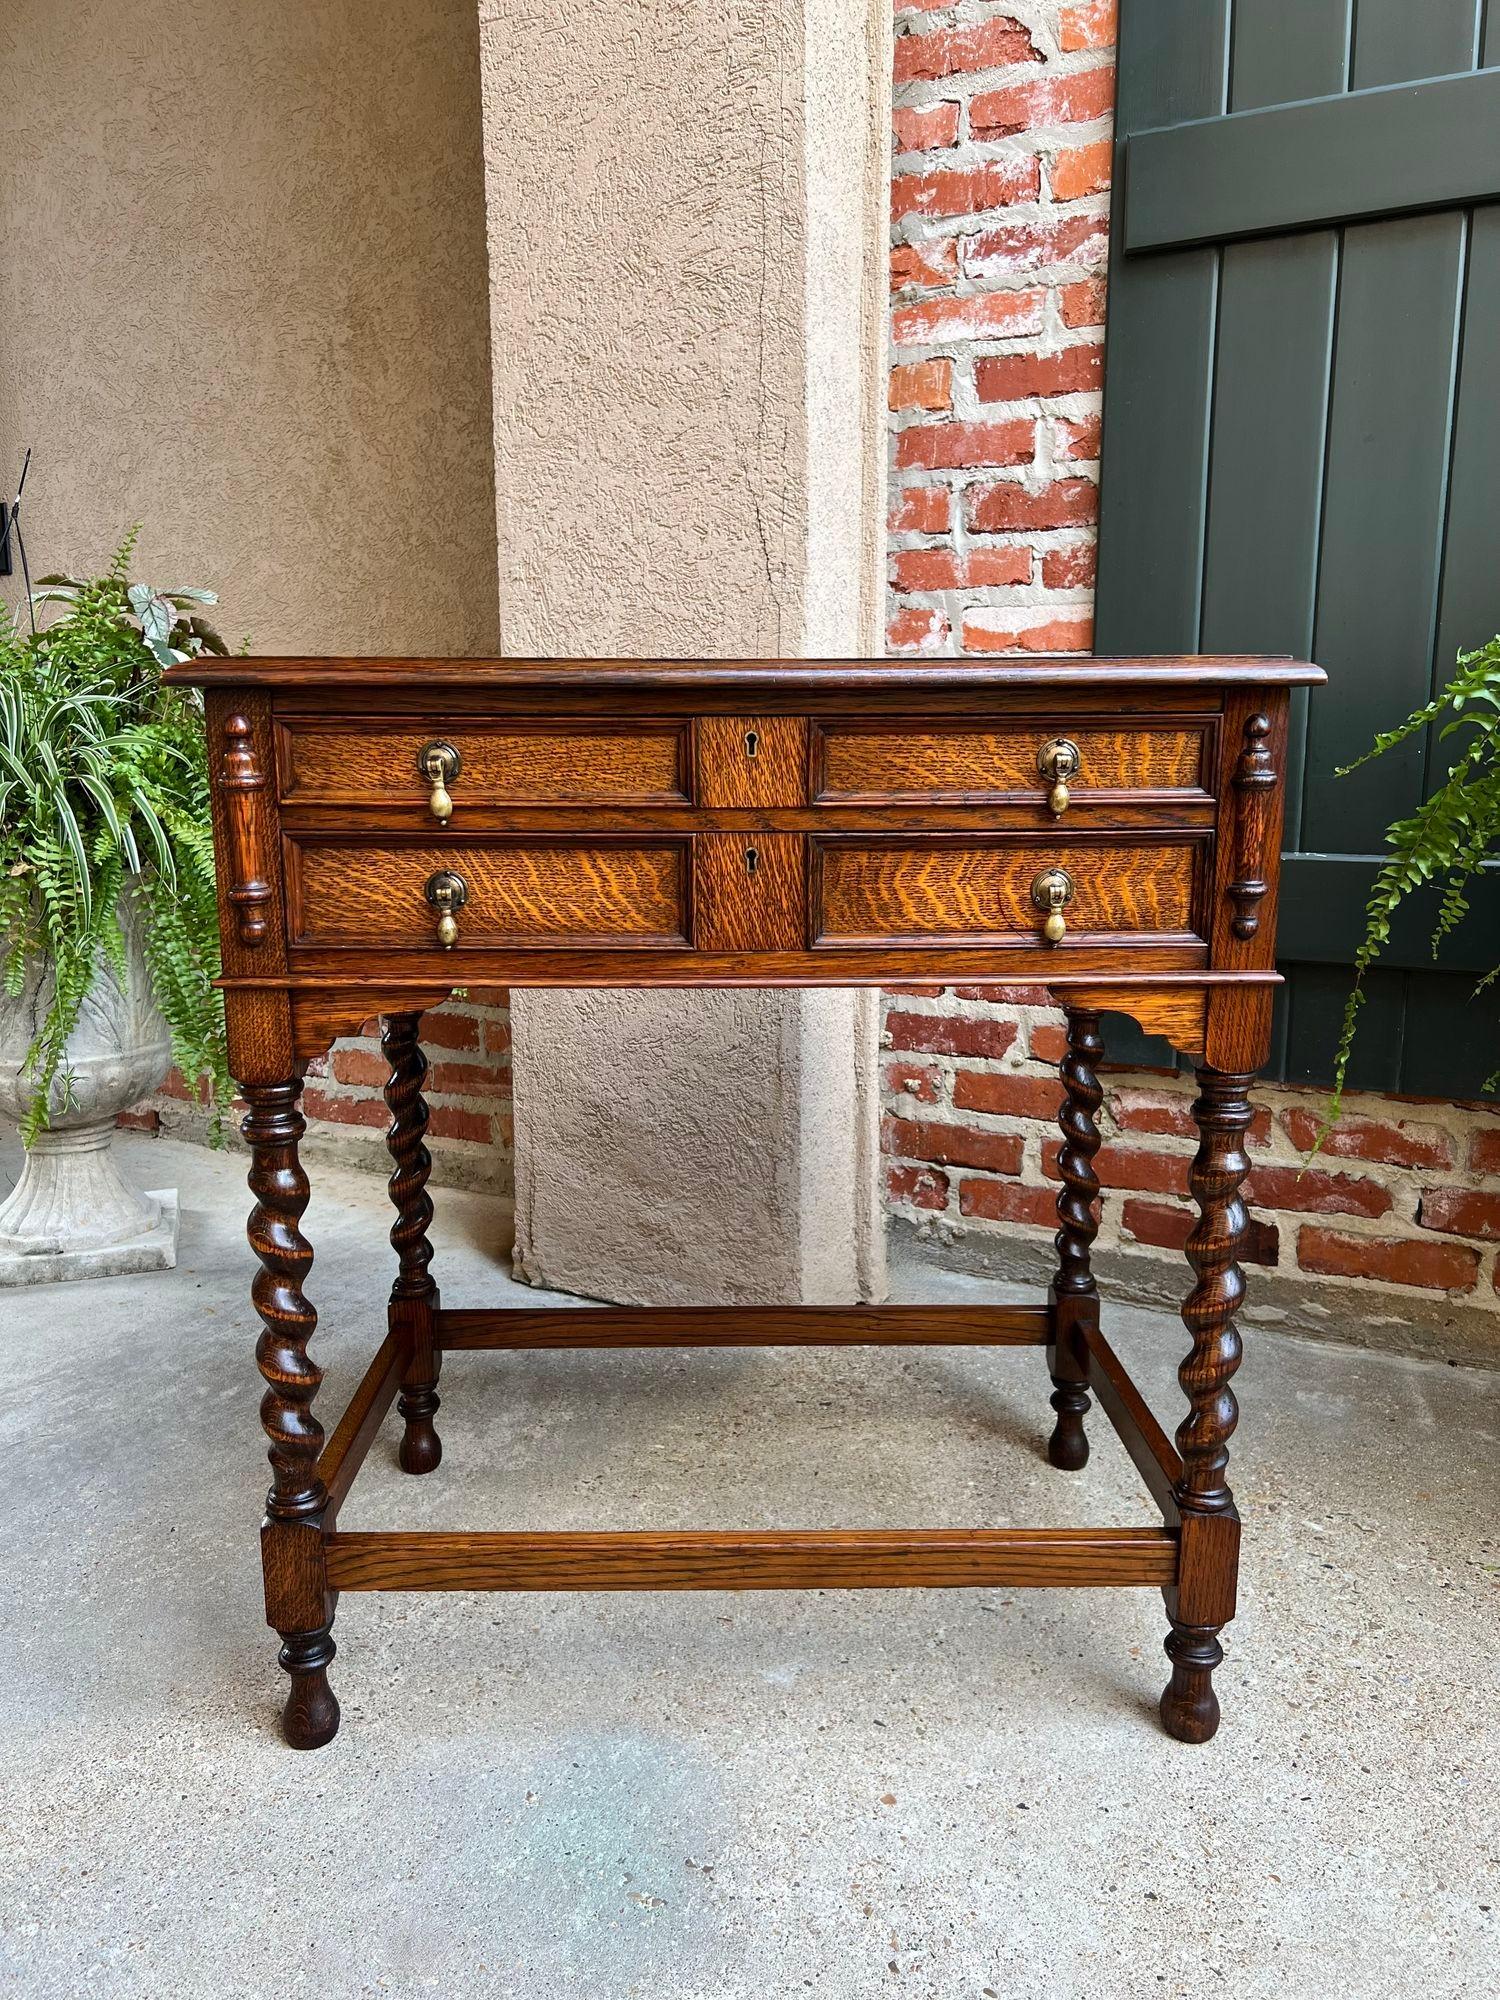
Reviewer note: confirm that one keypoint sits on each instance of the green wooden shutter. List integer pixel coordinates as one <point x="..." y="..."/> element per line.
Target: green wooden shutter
<point x="1302" y="435"/>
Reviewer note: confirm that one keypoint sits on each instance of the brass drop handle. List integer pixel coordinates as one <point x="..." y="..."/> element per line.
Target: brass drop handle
<point x="1052" y="891"/>
<point x="447" y="893"/>
<point x="1059" y="761"/>
<point x="439" y="764"/>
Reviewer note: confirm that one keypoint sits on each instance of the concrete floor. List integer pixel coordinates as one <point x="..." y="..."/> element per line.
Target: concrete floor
<point x="707" y="1797"/>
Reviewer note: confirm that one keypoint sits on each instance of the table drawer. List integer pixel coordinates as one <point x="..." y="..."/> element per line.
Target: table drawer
<point x="874" y="762"/>
<point x="515" y="892"/>
<point x="934" y="888"/>
<point x="343" y="760"/>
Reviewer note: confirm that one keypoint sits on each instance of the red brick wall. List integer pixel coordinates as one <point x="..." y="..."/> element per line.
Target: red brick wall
<point x="1000" y="210"/>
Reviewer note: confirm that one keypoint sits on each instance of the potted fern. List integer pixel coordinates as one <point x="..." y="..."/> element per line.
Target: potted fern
<point x="1446" y="842"/>
<point x="109" y="937"/>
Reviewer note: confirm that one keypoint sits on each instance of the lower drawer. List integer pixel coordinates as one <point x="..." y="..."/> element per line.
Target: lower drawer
<point x="937" y="887"/>
<point x="523" y="891"/>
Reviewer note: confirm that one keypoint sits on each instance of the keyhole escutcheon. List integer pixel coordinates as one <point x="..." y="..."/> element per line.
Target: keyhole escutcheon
<point x="752" y="742"/>
<point x="752" y="860"/>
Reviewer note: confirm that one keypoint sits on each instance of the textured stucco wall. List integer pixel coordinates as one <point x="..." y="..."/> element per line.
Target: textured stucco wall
<point x="654" y="268"/>
<point x="243" y="300"/>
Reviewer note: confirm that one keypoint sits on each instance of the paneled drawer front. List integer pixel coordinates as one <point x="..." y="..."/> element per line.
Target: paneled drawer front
<point x="873" y="763"/>
<point x="953" y="887"/>
<point x="517" y="892"/>
<point x="752" y="760"/>
<point x="343" y="761"/>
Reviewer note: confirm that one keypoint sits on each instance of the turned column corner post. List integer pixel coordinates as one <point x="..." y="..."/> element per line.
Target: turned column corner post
<point x="414" y="1293"/>
<point x="299" y="1604"/>
<point x="1074" y="1295"/>
<point x="1203" y="1599"/>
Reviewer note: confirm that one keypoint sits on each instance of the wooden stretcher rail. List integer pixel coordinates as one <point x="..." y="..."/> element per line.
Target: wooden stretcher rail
<point x="1154" y="1455"/>
<point x="345" y="1451"/>
<point x="747" y="1326"/>
<point x="867" y="1559"/>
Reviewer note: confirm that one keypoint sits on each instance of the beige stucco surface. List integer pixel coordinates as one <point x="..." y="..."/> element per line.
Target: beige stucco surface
<point x="689" y="451"/>
<point x="243" y="300"/>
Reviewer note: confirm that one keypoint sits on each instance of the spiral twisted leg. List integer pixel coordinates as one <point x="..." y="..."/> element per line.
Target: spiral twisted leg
<point x="414" y="1295"/>
<point x="1075" y="1296"/>
<point x="1203" y="1600"/>
<point x="298" y="1603"/>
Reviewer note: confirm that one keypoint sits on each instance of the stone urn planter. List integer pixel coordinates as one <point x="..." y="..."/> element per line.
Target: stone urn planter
<point x="72" y="1214"/>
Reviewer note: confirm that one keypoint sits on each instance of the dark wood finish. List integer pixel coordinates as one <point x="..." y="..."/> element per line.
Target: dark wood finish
<point x="747" y="1326"/>
<point x="298" y="1600"/>
<point x="697" y="823"/>
<point x="751" y="760"/>
<point x="1189" y="1706"/>
<point x="786" y="1559"/>
<point x="414" y="1295"/>
<point x="874" y="763"/>
<point x="1074" y="1297"/>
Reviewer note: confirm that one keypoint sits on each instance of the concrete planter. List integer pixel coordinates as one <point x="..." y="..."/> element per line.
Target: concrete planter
<point x="71" y="1214"/>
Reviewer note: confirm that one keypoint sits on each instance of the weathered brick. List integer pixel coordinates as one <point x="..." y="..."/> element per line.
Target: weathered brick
<point x="453" y="1121"/>
<point x="943" y="569"/>
<point x="1089" y="25"/>
<point x="1134" y="1167"/>
<point x="1083" y="304"/>
<point x="1073" y="568"/>
<point x="1081" y="170"/>
<point x="1023" y="247"/>
<point x="1312" y="1192"/>
<point x="1165" y="1226"/>
<point x="1405" y="1260"/>
<point x="966" y="190"/>
<point x="345" y="1110"/>
<point x="993" y="44"/>
<point x="1457" y="1211"/>
<point x="1048" y="1041"/>
<point x="951" y="1145"/>
<point x="922" y="510"/>
<point x="1001" y="993"/>
<point x="141" y="1119"/>
<point x="1484" y="1153"/>
<point x="444" y="1029"/>
<point x="1012" y="378"/>
<point x="949" y="1034"/>
<point x="360" y="1066"/>
<point x="923" y="1187"/>
<point x="1076" y="437"/>
<point x="913" y="1079"/>
<point x="980" y="316"/>
<point x="924" y="128"/>
<point x="1006" y="1094"/>
<point x="1057" y="635"/>
<point x="921" y="385"/>
<point x="1008" y="1201"/>
<point x="451" y="1079"/>
<point x="950" y="447"/>
<point x="1391" y="1143"/>
<point x="914" y="629"/>
<point x="924" y="267"/>
<point x="1049" y="100"/>
<point x="1008" y="505"/>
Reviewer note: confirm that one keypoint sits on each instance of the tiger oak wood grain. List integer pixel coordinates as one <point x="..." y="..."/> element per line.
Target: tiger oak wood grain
<point x="337" y="760"/>
<point x="945" y="886"/>
<point x="614" y="828"/>
<point x="871" y="762"/>
<point x="520" y="892"/>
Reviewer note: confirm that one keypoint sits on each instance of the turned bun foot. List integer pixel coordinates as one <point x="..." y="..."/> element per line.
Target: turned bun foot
<point x="421" y="1448"/>
<point x="1189" y="1706"/>
<point x="311" y="1715"/>
<point x="1068" y="1446"/>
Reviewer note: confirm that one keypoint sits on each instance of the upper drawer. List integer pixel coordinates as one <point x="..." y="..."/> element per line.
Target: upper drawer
<point x="874" y="762"/>
<point x="343" y="760"/>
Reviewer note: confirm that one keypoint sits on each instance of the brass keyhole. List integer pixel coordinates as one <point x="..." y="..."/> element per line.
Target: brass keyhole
<point x="752" y="860"/>
<point x="752" y="742"/>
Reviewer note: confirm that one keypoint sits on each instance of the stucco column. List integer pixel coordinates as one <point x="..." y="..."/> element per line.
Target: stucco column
<point x="686" y="214"/>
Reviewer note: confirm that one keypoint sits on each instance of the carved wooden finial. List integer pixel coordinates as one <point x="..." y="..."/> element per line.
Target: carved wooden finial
<point x="1254" y="782"/>
<point x="240" y="780"/>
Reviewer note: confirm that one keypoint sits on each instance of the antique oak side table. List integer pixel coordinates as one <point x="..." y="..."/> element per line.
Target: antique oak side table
<point x="390" y="829"/>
